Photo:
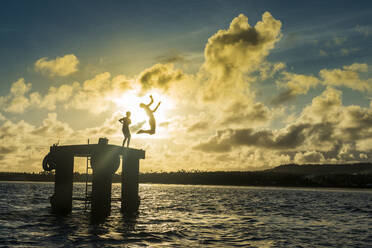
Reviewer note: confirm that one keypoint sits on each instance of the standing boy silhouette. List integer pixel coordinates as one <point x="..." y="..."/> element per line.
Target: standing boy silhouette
<point x="126" y="121"/>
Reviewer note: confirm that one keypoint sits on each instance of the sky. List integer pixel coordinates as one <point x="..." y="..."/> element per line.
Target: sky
<point x="243" y="85"/>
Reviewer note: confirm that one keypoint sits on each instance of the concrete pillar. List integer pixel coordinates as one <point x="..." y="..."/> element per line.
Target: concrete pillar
<point x="129" y="185"/>
<point x="103" y="169"/>
<point x="61" y="201"/>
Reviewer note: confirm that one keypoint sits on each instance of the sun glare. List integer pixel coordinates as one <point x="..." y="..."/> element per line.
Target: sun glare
<point x="130" y="102"/>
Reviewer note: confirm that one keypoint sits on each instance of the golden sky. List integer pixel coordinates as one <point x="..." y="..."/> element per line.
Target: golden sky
<point x="236" y="94"/>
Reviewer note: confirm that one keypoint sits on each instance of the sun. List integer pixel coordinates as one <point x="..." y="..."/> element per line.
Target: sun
<point x="129" y="101"/>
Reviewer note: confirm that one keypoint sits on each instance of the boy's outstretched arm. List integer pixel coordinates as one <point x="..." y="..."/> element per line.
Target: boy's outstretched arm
<point x="152" y="100"/>
<point x="157" y="106"/>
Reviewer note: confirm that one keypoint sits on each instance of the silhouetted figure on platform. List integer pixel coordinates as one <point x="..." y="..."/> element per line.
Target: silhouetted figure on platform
<point x="126" y="121"/>
<point x="150" y="113"/>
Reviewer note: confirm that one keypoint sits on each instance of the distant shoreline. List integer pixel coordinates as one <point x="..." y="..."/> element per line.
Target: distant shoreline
<point x="222" y="185"/>
<point x="331" y="176"/>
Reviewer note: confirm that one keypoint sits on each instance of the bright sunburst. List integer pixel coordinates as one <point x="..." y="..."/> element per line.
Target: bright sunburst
<point x="130" y="102"/>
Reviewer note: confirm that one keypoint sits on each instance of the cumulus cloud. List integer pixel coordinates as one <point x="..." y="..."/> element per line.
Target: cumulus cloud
<point x="299" y="84"/>
<point x="225" y="140"/>
<point x="246" y="113"/>
<point x="325" y="107"/>
<point x="99" y="83"/>
<point x="357" y="67"/>
<point x="337" y="126"/>
<point x="52" y="127"/>
<point x="268" y="70"/>
<point x="191" y="125"/>
<point x="239" y="49"/>
<point x="5" y="149"/>
<point x="363" y="156"/>
<point x="97" y="94"/>
<point x="10" y="130"/>
<point x="160" y="76"/>
<point x="16" y="101"/>
<point x="26" y="144"/>
<point x="109" y="127"/>
<point x="348" y="77"/>
<point x="199" y="126"/>
<point x="23" y="145"/>
<point x="19" y="88"/>
<point x="17" y="104"/>
<point x="60" y="66"/>
<point x="325" y="131"/>
<point x="20" y="98"/>
<point x="283" y="97"/>
<point x="54" y="96"/>
<point x="309" y="157"/>
<point x="216" y="143"/>
<point x="296" y="84"/>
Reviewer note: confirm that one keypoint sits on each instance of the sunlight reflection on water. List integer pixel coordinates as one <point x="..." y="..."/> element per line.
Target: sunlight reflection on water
<point x="176" y="215"/>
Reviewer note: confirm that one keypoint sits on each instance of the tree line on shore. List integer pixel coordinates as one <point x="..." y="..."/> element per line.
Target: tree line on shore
<point x="351" y="175"/>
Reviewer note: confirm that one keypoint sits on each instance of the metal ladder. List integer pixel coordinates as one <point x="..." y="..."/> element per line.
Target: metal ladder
<point x="88" y="183"/>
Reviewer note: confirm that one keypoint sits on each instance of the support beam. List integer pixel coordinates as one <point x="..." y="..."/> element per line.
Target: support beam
<point x="104" y="166"/>
<point x="61" y="201"/>
<point x="129" y="186"/>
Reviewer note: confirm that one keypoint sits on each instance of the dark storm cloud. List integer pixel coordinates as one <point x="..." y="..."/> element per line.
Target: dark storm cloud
<point x="225" y="140"/>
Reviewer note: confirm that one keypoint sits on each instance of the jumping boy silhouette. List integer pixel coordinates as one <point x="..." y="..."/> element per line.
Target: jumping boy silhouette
<point x="150" y="114"/>
<point x="126" y="121"/>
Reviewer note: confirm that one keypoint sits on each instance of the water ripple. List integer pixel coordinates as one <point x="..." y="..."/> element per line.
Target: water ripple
<point x="191" y="216"/>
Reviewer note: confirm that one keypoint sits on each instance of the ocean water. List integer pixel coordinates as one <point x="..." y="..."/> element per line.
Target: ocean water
<point x="192" y="216"/>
